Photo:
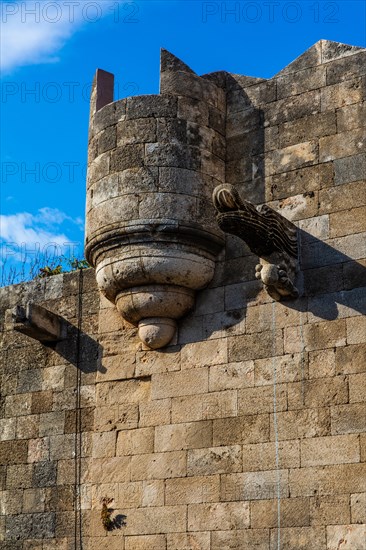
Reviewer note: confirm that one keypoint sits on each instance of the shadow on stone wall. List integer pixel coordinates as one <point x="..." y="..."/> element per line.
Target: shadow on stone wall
<point x="79" y="349"/>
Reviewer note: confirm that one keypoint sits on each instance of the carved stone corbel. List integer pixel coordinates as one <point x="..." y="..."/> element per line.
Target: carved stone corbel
<point x="268" y="234"/>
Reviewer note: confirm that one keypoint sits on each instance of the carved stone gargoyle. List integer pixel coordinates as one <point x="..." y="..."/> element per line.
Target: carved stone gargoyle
<point x="268" y="234"/>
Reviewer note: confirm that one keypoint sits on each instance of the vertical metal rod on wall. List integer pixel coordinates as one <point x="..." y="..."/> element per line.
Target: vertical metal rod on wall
<point x="78" y="442"/>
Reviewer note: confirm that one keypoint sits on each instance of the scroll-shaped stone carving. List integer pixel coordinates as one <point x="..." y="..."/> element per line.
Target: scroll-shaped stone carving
<point x="268" y="234"/>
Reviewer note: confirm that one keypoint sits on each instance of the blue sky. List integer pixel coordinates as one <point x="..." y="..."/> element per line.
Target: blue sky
<point x="49" y="53"/>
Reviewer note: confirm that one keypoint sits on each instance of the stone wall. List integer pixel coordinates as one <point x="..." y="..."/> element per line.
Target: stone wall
<point x="248" y="430"/>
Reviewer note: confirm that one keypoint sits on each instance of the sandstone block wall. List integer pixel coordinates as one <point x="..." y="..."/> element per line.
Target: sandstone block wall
<point x="248" y="430"/>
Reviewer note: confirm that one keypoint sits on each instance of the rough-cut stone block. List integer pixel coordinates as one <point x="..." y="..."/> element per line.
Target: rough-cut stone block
<point x="159" y="465"/>
<point x="141" y="130"/>
<point x="19" y="476"/>
<point x="152" y="362"/>
<point x="351" y="537"/>
<point x="327" y="480"/>
<point x="351" y="117"/>
<point x="18" y="405"/>
<point x="304" y="180"/>
<point x="110" y="470"/>
<point x="203" y="354"/>
<point x="44" y="474"/>
<point x="159" y="205"/>
<point x="290" y="512"/>
<point x="243" y="429"/>
<point x="145" y="542"/>
<point x="292" y="157"/>
<point x="353" y="62"/>
<point x="324" y="335"/>
<point x="99" y="168"/>
<point x="197" y="540"/>
<point x="154" y="413"/>
<point x="350" y="359"/>
<point x="300" y="82"/>
<point x="192" y="490"/>
<point x="104" y="445"/>
<point x="239" y="539"/>
<point x="134" y="442"/>
<point x="214" y="460"/>
<point x="120" y="393"/>
<point x="286" y="368"/>
<point x="12" y="501"/>
<point x="255" y="485"/>
<point x="322" y="363"/>
<point x="151" y="106"/>
<point x="330" y="450"/>
<point x="13" y="452"/>
<point x="348" y="222"/>
<point x="117" y="367"/>
<point x="356" y="330"/>
<point x="325" y="510"/>
<point x="38" y="450"/>
<point x="341" y="145"/>
<point x="341" y="198"/>
<point x="107" y="139"/>
<point x="301" y="538"/>
<point x="118" y="417"/>
<point x="51" y="423"/>
<point x="129" y="495"/>
<point x="153" y="492"/>
<point x="7" y="428"/>
<point x="358" y="508"/>
<point x="218" y="516"/>
<point x="349" y="169"/>
<point x="164" y="519"/>
<point x="357" y="388"/>
<point x="290" y="108"/>
<point x="174" y="384"/>
<point x="262" y="399"/>
<point x="205" y="406"/>
<point x="27" y="426"/>
<point x="342" y="94"/>
<point x="307" y="128"/>
<point x="231" y="376"/>
<point x="349" y="418"/>
<point x="177" y="437"/>
<point x="255" y="346"/>
<point x="269" y="456"/>
<point x="317" y="393"/>
<point x="300" y="423"/>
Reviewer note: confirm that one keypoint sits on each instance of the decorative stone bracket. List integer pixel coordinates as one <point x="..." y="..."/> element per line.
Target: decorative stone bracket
<point x="268" y="234"/>
<point x="39" y="323"/>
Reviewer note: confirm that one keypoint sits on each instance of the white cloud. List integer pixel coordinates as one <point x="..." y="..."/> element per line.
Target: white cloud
<point x="34" y="31"/>
<point x="31" y="231"/>
<point x="29" y="242"/>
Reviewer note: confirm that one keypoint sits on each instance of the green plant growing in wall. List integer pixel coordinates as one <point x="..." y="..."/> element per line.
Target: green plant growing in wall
<point x="48" y="271"/>
<point x="107" y="521"/>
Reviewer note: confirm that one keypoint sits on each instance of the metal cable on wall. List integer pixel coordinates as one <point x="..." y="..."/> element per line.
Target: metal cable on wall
<point x="78" y="435"/>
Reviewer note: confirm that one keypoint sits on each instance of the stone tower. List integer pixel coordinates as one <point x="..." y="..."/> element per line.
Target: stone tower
<point x="203" y="388"/>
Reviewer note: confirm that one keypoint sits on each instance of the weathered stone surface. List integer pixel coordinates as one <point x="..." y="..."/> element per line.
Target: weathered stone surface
<point x="159" y="465"/>
<point x="192" y="490"/>
<point x="218" y="516"/>
<point x="183" y="436"/>
<point x="341" y="145"/>
<point x="350" y="536"/>
<point x="255" y="485"/>
<point x="291" y="513"/>
<point x="214" y="460"/>
<point x="247" y="431"/>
